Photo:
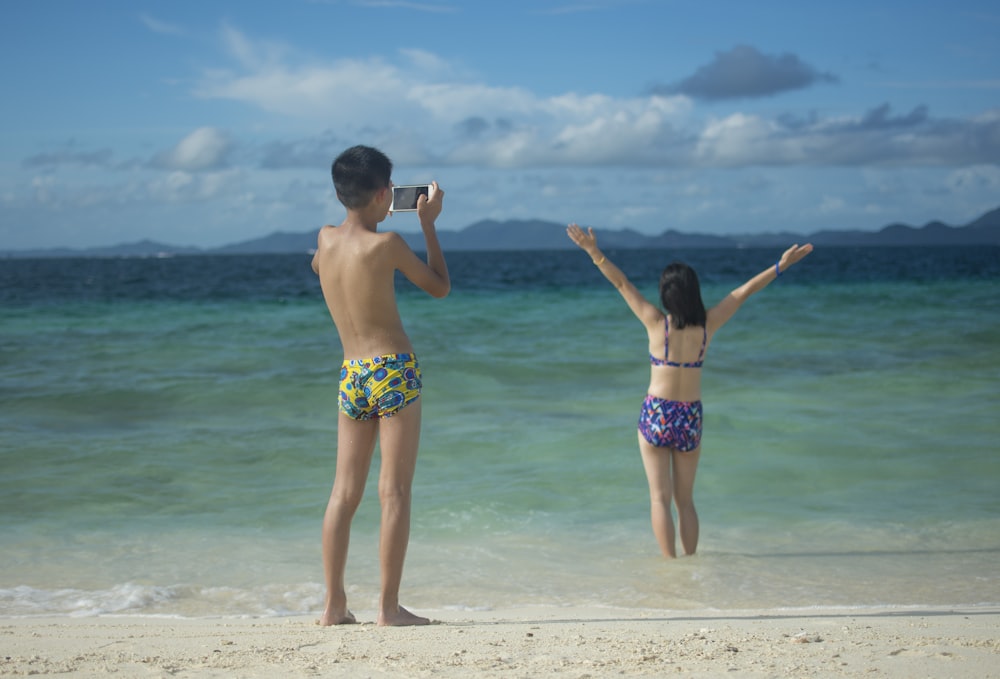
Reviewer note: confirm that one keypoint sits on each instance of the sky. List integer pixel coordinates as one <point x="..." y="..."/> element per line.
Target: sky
<point x="196" y="123"/>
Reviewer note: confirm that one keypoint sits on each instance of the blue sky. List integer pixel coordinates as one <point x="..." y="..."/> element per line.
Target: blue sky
<point x="208" y="123"/>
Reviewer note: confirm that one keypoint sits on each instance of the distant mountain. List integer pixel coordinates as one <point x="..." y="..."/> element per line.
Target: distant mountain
<point x="142" y="248"/>
<point x="541" y="235"/>
<point x="983" y="231"/>
<point x="280" y="241"/>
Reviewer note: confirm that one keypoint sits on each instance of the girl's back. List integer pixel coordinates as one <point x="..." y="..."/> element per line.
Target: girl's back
<point x="676" y="356"/>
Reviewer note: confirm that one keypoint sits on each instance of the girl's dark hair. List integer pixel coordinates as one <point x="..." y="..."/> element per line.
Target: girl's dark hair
<point x="680" y="294"/>
<point x="358" y="174"/>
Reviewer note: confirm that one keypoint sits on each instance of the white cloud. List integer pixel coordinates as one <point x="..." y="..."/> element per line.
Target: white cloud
<point x="70" y="156"/>
<point x="161" y="27"/>
<point x="832" y="204"/>
<point x="437" y="8"/>
<point x="45" y="191"/>
<point x="740" y="139"/>
<point x="422" y="97"/>
<point x="975" y="179"/>
<point x="872" y="139"/>
<point x="207" y="148"/>
<point x="184" y="187"/>
<point x="436" y="113"/>
<point x="350" y="91"/>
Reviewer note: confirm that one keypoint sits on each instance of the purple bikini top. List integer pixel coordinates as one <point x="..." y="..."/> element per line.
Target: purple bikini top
<point x="653" y="360"/>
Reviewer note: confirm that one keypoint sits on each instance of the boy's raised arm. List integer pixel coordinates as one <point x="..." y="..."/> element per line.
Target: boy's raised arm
<point x="428" y="209"/>
<point x="430" y="276"/>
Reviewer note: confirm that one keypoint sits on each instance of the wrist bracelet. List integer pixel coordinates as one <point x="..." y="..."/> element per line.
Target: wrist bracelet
<point x="602" y="260"/>
<point x="777" y="269"/>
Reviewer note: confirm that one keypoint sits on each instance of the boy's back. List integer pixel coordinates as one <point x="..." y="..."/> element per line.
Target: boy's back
<point x="356" y="269"/>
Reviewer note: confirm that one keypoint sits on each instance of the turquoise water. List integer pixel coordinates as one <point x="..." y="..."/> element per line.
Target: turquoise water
<point x="168" y="438"/>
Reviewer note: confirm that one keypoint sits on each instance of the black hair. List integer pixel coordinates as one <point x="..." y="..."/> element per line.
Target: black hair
<point x="358" y="174"/>
<point x="680" y="294"/>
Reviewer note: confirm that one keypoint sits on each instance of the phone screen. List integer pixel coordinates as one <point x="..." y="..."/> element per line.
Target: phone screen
<point x="405" y="197"/>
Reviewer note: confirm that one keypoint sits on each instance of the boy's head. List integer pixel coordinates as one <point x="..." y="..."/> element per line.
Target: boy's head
<point x="359" y="173"/>
<point x="680" y="294"/>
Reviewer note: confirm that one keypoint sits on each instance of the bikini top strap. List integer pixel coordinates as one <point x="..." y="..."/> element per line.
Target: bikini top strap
<point x="666" y="343"/>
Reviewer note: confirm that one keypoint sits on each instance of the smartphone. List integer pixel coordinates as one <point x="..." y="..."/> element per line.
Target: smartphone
<point x="404" y="198"/>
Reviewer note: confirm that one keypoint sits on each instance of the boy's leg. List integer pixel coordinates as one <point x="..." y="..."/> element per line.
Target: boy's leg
<point x="399" y="438"/>
<point x="685" y="467"/>
<point x="355" y="445"/>
<point x="656" y="461"/>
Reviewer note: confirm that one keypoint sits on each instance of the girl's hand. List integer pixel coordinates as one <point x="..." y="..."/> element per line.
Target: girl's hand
<point x="794" y="254"/>
<point x="585" y="239"/>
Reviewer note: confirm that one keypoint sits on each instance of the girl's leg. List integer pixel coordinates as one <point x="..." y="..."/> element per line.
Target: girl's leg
<point x="685" y="467"/>
<point x="355" y="445"/>
<point x="656" y="461"/>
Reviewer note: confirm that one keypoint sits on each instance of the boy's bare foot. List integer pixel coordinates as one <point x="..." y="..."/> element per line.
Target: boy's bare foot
<point x="328" y="619"/>
<point x="400" y="617"/>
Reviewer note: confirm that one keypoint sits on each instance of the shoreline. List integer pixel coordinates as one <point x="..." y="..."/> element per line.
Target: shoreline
<point x="519" y="642"/>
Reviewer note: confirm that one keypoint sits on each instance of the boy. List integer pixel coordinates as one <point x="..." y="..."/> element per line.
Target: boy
<point x="380" y="377"/>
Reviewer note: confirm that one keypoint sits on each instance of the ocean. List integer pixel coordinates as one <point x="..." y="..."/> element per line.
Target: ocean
<point x="168" y="436"/>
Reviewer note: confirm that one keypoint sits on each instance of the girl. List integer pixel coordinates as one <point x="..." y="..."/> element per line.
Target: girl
<point x="670" y="421"/>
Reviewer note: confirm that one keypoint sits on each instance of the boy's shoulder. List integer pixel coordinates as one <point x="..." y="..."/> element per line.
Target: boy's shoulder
<point x="331" y="236"/>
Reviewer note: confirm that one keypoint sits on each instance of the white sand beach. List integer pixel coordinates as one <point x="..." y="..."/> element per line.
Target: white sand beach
<point x="551" y="641"/>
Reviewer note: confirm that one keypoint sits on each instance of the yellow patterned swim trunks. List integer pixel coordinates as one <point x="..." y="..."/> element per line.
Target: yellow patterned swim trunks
<point x="378" y="387"/>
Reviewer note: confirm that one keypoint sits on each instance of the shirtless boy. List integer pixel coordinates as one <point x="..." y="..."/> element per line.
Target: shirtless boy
<point x="380" y="377"/>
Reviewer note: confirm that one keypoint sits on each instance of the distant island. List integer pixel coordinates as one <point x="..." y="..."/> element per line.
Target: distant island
<point x="543" y="235"/>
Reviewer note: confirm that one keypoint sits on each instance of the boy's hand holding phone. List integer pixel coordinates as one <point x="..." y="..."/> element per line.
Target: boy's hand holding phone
<point x="404" y="198"/>
<point x="429" y="206"/>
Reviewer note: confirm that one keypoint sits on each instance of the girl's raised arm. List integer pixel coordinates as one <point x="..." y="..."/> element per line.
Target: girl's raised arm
<point x="724" y="310"/>
<point x="647" y="313"/>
